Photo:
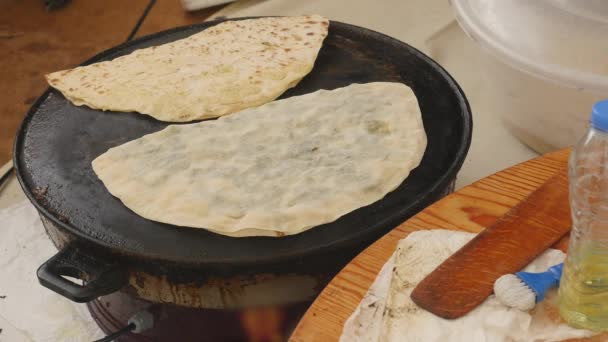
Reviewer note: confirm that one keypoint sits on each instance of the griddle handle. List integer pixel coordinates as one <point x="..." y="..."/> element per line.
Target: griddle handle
<point x="100" y="277"/>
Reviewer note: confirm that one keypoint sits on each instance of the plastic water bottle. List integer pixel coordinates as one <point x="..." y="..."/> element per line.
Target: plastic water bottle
<point x="583" y="292"/>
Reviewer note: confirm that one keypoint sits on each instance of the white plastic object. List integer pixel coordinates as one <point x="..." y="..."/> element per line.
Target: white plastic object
<point x="513" y="292"/>
<point x="194" y="5"/>
<point x="143" y="321"/>
<point x="547" y="63"/>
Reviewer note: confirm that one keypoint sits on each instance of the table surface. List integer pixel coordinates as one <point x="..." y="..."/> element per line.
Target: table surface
<point x="470" y="209"/>
<point x="34" y="42"/>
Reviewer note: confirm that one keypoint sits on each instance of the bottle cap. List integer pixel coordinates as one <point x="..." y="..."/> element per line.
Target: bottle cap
<point x="599" y="115"/>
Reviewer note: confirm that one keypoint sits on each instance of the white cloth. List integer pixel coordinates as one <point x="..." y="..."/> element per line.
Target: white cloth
<point x="387" y="313"/>
<point x="28" y="311"/>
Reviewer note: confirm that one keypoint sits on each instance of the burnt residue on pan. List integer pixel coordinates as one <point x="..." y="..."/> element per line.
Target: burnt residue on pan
<point x="333" y="72"/>
<point x="227" y="292"/>
<point x="40" y="193"/>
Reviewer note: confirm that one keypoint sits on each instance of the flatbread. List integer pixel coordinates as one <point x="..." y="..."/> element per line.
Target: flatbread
<point x="274" y="170"/>
<point x="226" y="68"/>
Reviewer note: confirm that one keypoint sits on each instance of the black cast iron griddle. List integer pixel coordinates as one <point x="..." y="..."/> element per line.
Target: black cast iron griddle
<point x="57" y="142"/>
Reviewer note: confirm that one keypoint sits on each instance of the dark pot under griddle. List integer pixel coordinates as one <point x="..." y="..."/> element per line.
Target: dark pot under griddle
<point x="113" y="249"/>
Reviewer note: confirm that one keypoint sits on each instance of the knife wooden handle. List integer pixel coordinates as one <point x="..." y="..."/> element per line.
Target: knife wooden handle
<point x="466" y="278"/>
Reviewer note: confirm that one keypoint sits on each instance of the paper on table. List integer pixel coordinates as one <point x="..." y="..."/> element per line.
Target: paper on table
<point x="387" y="313"/>
<point x="28" y="311"/>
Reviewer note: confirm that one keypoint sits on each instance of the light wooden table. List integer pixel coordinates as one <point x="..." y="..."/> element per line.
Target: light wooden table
<point x="470" y="209"/>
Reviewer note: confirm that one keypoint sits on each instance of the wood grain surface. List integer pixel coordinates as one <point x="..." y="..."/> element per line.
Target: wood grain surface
<point x="470" y="209"/>
<point x="34" y="42"/>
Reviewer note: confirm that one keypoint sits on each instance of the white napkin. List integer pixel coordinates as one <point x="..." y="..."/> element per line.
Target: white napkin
<point x="387" y="313"/>
<point x="28" y="311"/>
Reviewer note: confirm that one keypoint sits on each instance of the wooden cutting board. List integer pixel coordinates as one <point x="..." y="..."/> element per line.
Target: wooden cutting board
<point x="470" y="209"/>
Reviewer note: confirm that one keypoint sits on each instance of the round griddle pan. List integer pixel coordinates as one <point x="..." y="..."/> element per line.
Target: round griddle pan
<point x="57" y="142"/>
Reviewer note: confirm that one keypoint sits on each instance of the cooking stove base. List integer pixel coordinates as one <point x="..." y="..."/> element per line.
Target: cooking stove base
<point x="176" y="323"/>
